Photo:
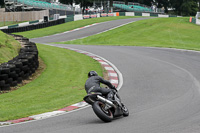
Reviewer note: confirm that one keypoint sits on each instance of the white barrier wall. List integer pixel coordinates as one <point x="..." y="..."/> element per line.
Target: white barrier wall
<point x="78" y="17"/>
<point x="23" y="24"/>
<point x="129" y="14"/>
<point x="163" y="16"/>
<point x="62" y="17"/>
<point x="198" y="21"/>
<point x="146" y="14"/>
<point x="197" y="18"/>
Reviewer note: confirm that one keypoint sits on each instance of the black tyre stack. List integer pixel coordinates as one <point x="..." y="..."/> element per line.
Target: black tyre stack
<point x="21" y="67"/>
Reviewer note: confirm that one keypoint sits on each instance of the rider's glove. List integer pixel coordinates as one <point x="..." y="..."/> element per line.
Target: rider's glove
<point x="114" y="88"/>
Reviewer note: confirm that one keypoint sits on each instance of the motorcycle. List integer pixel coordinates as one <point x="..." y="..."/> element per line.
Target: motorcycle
<point x="106" y="109"/>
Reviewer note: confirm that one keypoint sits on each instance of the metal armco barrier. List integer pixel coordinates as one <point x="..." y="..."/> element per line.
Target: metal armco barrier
<point x="153" y="15"/>
<point x="69" y="18"/>
<point x="121" y="13"/>
<point x="138" y="14"/>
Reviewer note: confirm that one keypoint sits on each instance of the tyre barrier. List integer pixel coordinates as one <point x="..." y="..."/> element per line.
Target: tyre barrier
<point x="20" y="67"/>
<point x="34" y="26"/>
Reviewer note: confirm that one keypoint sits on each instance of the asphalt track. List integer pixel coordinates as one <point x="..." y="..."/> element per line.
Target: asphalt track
<point x="161" y="89"/>
<point x="101" y="27"/>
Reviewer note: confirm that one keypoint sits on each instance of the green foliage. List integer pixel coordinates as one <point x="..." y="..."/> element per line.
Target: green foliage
<point x="145" y="2"/>
<point x="189" y="8"/>
<point x="163" y="3"/>
<point x="185" y="7"/>
<point x="2" y="4"/>
<point x="66" y="1"/>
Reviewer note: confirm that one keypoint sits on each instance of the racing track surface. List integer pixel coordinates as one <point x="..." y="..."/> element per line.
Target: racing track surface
<point x="161" y="89"/>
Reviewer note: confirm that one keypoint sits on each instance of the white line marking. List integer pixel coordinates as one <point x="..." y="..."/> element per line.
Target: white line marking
<point x="109" y="68"/>
<point x="112" y="74"/>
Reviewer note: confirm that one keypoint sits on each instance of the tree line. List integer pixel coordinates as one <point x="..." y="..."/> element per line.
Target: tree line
<point x="179" y="7"/>
<point x="1" y="3"/>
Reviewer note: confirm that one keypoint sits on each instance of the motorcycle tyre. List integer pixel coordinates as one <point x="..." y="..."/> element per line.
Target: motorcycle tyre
<point x="125" y="112"/>
<point x="100" y="113"/>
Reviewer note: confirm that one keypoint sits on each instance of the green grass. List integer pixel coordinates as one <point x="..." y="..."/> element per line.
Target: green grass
<point x="9" y="47"/>
<point x="67" y="27"/>
<point x="158" y="32"/>
<point x="62" y="82"/>
<point x="8" y="23"/>
<point x="60" y="85"/>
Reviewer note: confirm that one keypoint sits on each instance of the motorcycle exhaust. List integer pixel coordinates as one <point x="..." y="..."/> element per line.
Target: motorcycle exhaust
<point x="105" y="101"/>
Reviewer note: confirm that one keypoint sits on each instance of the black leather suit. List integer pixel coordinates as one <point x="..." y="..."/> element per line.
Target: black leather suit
<point x="93" y="85"/>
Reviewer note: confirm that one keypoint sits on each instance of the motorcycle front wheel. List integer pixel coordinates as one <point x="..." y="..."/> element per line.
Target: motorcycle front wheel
<point x="125" y="110"/>
<point x="101" y="112"/>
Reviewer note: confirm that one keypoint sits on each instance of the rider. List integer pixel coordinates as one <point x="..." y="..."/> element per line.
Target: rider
<point x="93" y="85"/>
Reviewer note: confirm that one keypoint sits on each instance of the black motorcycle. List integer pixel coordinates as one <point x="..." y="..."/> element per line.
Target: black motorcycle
<point x="105" y="109"/>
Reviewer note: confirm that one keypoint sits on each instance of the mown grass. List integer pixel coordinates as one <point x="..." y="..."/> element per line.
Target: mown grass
<point x="7" y="23"/>
<point x="60" y="85"/>
<point x="62" y="82"/>
<point x="67" y="26"/>
<point x="9" y="47"/>
<point x="158" y="32"/>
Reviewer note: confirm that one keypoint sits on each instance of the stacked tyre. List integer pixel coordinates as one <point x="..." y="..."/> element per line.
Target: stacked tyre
<point x="21" y="67"/>
<point x="21" y="39"/>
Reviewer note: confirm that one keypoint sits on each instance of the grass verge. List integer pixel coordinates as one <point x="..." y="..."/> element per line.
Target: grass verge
<point x="9" y="47"/>
<point x="158" y="32"/>
<point x="67" y="26"/>
<point x="8" y="23"/>
<point x="61" y="84"/>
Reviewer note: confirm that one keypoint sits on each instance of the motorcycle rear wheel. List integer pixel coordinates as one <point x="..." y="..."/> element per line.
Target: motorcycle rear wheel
<point x="99" y="109"/>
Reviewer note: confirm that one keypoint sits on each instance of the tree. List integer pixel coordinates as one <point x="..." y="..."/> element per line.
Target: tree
<point x="163" y="3"/>
<point x="189" y="8"/>
<point x="66" y="2"/>
<point x="184" y="7"/>
<point x="2" y="4"/>
<point x="145" y="2"/>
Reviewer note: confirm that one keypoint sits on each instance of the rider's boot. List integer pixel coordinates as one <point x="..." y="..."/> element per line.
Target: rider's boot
<point x="110" y="96"/>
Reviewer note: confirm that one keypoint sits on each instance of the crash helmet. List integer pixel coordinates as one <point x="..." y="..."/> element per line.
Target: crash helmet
<point x="92" y="73"/>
